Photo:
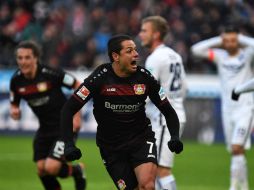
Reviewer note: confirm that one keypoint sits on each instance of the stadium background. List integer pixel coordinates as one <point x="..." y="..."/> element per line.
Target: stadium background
<point x="73" y="35"/>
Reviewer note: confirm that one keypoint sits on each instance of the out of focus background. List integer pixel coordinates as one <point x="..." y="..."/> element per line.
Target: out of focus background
<point x="73" y="35"/>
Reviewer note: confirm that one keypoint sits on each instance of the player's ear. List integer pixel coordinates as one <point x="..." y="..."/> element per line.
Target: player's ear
<point x="115" y="57"/>
<point x="156" y="35"/>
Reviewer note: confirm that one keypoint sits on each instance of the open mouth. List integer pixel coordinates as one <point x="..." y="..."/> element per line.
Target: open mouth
<point x="134" y="63"/>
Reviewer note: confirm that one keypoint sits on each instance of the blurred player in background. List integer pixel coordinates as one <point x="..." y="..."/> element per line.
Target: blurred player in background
<point x="166" y="66"/>
<point x="124" y="135"/>
<point x="233" y="57"/>
<point x="41" y="86"/>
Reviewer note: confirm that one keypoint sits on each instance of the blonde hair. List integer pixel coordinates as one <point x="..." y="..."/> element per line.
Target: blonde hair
<point x="159" y="24"/>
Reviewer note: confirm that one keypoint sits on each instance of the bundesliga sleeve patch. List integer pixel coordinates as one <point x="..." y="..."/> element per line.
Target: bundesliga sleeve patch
<point x="68" y="80"/>
<point x="83" y="92"/>
<point x="162" y="94"/>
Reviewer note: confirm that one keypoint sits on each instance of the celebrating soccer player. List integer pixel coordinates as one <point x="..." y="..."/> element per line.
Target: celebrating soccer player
<point x="124" y="134"/>
<point x="40" y="86"/>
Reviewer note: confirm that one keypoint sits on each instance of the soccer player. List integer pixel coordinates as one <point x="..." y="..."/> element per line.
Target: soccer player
<point x="166" y="66"/>
<point x="124" y="135"/>
<point x="40" y="86"/>
<point x="233" y="60"/>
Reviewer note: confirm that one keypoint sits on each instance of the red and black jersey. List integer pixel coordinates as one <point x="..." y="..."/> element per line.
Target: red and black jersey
<point x="119" y="105"/>
<point x="43" y="94"/>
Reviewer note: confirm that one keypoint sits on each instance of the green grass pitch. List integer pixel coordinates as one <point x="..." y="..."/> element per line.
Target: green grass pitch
<point x="199" y="167"/>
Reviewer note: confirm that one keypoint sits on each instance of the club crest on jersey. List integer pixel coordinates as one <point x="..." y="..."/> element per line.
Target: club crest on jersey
<point x="139" y="89"/>
<point x="42" y="86"/>
<point x="83" y="92"/>
<point x="162" y="94"/>
<point x="121" y="184"/>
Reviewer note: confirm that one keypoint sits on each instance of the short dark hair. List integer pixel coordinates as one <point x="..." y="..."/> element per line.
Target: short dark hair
<point x="114" y="44"/>
<point x="231" y="28"/>
<point x="30" y="45"/>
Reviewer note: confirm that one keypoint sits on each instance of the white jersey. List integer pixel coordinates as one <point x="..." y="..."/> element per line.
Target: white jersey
<point x="237" y="116"/>
<point x="234" y="71"/>
<point x="166" y="66"/>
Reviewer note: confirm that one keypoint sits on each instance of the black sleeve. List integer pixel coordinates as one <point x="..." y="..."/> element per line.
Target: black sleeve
<point x="171" y="118"/>
<point x="82" y="95"/>
<point x="69" y="109"/>
<point x="158" y="97"/>
<point x="14" y="96"/>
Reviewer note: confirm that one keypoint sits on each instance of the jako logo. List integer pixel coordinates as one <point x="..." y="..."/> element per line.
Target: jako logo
<point x="111" y="89"/>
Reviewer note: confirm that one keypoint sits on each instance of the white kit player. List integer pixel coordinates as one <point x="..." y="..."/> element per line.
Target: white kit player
<point x="166" y="66"/>
<point x="233" y="60"/>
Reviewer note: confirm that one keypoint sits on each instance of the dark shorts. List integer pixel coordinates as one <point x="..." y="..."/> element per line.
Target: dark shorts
<point x="120" y="164"/>
<point x="44" y="147"/>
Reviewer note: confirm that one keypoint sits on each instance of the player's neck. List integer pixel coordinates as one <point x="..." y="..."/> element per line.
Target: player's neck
<point x="119" y="72"/>
<point x="155" y="45"/>
<point x="234" y="53"/>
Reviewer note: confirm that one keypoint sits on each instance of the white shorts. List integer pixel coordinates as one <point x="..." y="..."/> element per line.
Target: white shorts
<point x="237" y="126"/>
<point x="162" y="135"/>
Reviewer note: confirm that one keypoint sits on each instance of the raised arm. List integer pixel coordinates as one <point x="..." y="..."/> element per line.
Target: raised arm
<point x="203" y="49"/>
<point x="245" y="40"/>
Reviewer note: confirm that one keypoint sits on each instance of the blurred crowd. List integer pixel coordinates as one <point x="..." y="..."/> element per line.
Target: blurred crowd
<point x="73" y="34"/>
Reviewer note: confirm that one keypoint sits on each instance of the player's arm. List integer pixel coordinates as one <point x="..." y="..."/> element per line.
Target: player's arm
<point x="243" y="88"/>
<point x="71" y="82"/>
<point x="77" y="117"/>
<point x="70" y="108"/>
<point x="158" y="97"/>
<point x="204" y="49"/>
<point x="15" y="111"/>
<point x="245" y="40"/>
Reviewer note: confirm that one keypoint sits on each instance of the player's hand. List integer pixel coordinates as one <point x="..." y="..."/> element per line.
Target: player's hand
<point x="15" y="112"/>
<point x="71" y="152"/>
<point x="175" y="145"/>
<point x="234" y="95"/>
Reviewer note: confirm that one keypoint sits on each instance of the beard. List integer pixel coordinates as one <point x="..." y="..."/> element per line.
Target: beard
<point x="148" y="44"/>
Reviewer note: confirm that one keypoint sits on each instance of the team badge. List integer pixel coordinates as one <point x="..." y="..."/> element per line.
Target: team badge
<point x="42" y="86"/>
<point x="121" y="184"/>
<point x="83" y="92"/>
<point x="139" y="89"/>
<point x="162" y="94"/>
